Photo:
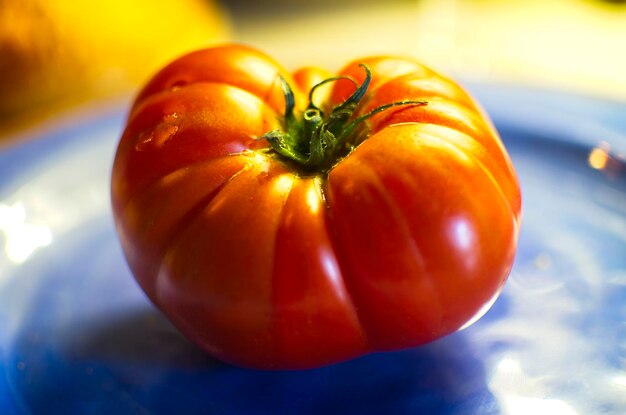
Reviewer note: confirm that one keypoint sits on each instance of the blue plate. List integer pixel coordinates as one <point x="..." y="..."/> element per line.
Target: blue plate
<point x="77" y="336"/>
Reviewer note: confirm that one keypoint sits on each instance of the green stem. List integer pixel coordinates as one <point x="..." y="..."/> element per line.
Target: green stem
<point x="317" y="142"/>
<point x="325" y="81"/>
<point x="290" y="102"/>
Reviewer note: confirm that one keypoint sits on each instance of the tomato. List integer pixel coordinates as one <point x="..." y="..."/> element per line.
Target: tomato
<point x="290" y="222"/>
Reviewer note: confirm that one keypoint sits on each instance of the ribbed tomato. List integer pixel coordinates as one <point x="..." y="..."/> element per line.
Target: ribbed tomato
<point x="286" y="222"/>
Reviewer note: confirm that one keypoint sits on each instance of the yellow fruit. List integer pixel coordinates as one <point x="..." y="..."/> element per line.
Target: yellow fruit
<point x="60" y="52"/>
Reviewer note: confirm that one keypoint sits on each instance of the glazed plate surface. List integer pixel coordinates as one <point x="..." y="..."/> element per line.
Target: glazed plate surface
<point x="77" y="336"/>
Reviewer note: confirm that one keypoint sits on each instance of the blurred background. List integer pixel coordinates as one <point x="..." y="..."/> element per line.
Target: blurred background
<point x="69" y="322"/>
<point x="57" y="55"/>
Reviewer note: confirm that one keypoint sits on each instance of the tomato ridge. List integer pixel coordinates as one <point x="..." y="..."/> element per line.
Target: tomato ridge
<point x="332" y="232"/>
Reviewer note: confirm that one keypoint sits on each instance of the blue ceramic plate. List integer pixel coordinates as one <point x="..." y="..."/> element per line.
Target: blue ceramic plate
<point x="77" y="336"/>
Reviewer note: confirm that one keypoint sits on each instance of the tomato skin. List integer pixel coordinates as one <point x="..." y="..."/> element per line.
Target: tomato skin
<point x="400" y="243"/>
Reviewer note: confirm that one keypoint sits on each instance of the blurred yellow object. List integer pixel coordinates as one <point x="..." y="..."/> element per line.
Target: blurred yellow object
<point x="576" y="45"/>
<point x="572" y="45"/>
<point x="55" y="53"/>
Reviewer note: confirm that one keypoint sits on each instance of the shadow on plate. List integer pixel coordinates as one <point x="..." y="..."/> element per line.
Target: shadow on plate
<point x="141" y="364"/>
<point x="88" y="342"/>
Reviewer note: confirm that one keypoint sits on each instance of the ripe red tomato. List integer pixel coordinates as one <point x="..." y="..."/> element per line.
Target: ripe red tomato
<point x="273" y="234"/>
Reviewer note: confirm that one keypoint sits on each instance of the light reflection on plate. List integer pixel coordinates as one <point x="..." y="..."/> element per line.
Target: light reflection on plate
<point x="78" y="336"/>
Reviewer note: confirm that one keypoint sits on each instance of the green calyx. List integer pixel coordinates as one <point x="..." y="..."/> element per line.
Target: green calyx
<point x="316" y="141"/>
